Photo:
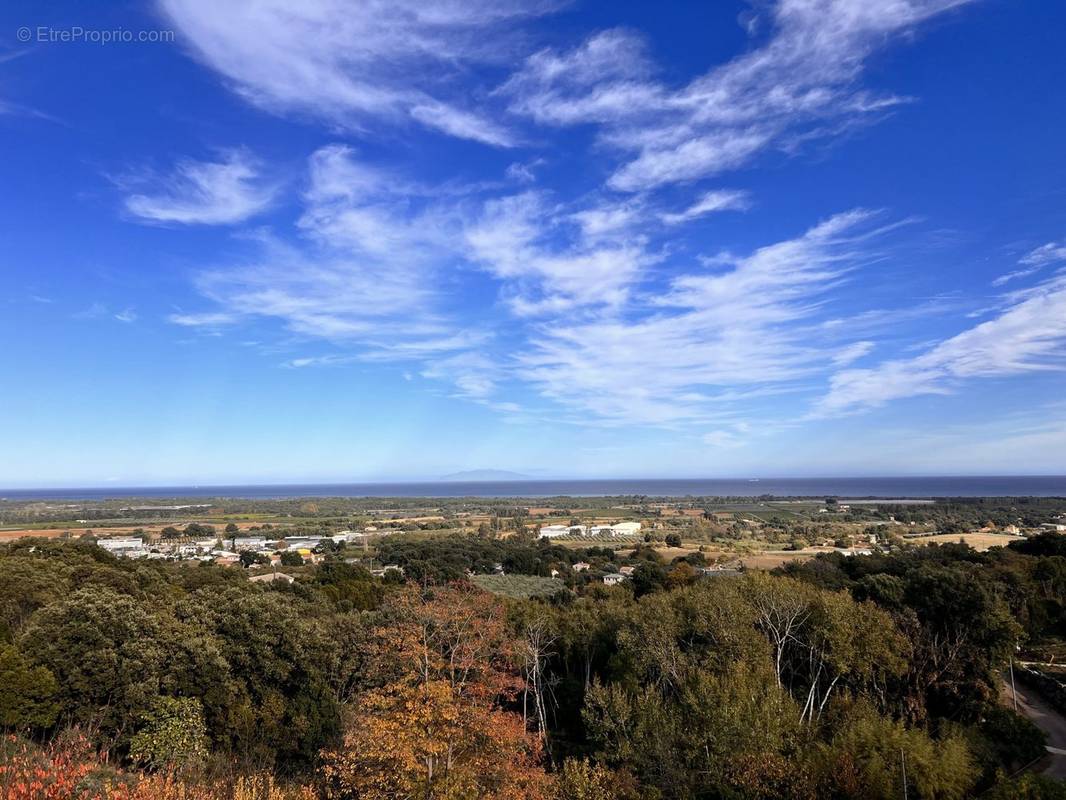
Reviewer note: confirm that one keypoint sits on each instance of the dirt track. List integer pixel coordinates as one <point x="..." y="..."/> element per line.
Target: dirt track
<point x="1050" y="721"/>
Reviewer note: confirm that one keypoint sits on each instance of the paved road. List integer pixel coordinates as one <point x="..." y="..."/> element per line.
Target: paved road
<point x="1050" y="721"/>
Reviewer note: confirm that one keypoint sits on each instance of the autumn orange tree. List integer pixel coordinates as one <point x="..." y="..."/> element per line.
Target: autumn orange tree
<point x="58" y="772"/>
<point x="438" y="726"/>
<point x="70" y="768"/>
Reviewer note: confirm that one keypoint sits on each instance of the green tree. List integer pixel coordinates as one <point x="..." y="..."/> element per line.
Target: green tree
<point x="868" y="754"/>
<point x="277" y="701"/>
<point x="250" y="558"/>
<point x="648" y="577"/>
<point x="291" y="558"/>
<point x="582" y="780"/>
<point x="27" y="693"/>
<point x="108" y="654"/>
<point x="963" y="633"/>
<point x="28" y="583"/>
<point x="171" y="735"/>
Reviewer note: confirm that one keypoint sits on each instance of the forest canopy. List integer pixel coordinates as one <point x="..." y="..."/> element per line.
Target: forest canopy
<point x="828" y="679"/>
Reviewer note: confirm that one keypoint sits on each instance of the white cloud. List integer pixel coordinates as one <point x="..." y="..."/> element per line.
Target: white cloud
<point x="390" y="61"/>
<point x="362" y="272"/>
<point x="215" y="319"/>
<point x="523" y="172"/>
<point x="320" y="293"/>
<point x="463" y="124"/>
<point x="692" y="158"/>
<point x="1029" y="335"/>
<point x="1045" y="254"/>
<point x="608" y="219"/>
<point x="514" y="239"/>
<point x="1034" y="261"/>
<point x="604" y="80"/>
<point x="806" y="73"/>
<point x="712" y="341"/>
<point x="1015" y="275"/>
<point x="709" y="203"/>
<point x="471" y="373"/>
<point x="852" y="353"/>
<point x="722" y="439"/>
<point x="334" y="360"/>
<point x="126" y="315"/>
<point x="203" y="192"/>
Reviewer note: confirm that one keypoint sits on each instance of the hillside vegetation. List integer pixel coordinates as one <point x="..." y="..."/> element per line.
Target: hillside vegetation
<point x="148" y="679"/>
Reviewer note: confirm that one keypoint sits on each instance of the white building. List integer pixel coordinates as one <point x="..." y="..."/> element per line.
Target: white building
<point x="551" y="531"/>
<point x="626" y="528"/>
<point x="302" y="542"/>
<point x="614" y="578"/>
<point x="249" y="543"/>
<point x="270" y="577"/>
<point x="383" y="571"/>
<point x="130" y="548"/>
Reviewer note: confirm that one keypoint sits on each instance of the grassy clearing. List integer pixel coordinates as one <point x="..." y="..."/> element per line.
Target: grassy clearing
<point x="773" y="560"/>
<point x="518" y="586"/>
<point x="978" y="541"/>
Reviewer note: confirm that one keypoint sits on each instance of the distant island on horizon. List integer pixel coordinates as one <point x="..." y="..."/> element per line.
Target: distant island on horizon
<point x="487" y="475"/>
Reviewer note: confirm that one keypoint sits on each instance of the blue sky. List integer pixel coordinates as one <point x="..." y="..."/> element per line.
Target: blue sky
<point x="262" y="242"/>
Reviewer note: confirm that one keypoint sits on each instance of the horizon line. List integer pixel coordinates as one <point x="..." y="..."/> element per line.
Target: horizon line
<point x="118" y="487"/>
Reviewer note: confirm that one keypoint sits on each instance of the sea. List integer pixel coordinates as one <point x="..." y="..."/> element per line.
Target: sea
<point x="908" y="487"/>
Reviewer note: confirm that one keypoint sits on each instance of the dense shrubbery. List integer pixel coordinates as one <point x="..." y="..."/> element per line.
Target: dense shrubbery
<point x="821" y="682"/>
<point x="951" y="515"/>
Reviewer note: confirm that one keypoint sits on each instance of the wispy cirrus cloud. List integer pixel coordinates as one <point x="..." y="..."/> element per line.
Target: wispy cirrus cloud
<point x="98" y="310"/>
<point x="1034" y="261"/>
<point x="379" y="62"/>
<point x="696" y="353"/>
<point x="1027" y="335"/>
<point x="515" y="238"/>
<point x="1014" y="275"/>
<point x="709" y="203"/>
<point x="608" y="321"/>
<point x="374" y="252"/>
<point x="1045" y="254"/>
<point x="363" y="273"/>
<point x="806" y="74"/>
<point x="222" y="192"/>
<point x="726" y="438"/>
